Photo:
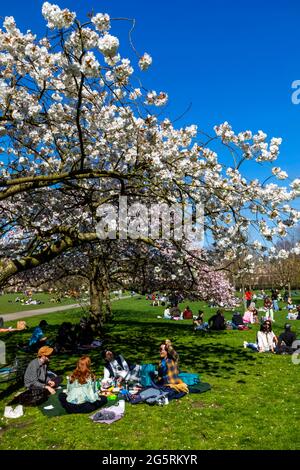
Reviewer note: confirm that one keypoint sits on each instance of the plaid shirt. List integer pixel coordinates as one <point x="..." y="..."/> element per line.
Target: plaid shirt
<point x="168" y="372"/>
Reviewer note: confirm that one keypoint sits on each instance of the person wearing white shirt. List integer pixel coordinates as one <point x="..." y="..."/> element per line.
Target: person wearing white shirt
<point x="167" y="314"/>
<point x="266" y="339"/>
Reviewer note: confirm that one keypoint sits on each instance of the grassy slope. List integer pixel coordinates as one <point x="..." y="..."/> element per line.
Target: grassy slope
<point x="253" y="403"/>
<point x="7" y="307"/>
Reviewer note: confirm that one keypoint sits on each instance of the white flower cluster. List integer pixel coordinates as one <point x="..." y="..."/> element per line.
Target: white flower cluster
<point x="224" y="131"/>
<point x="145" y="61"/>
<point x="122" y="72"/>
<point x="10" y="24"/>
<point x="283" y="254"/>
<point x="56" y="17"/>
<point x="108" y="45"/>
<point x="101" y="21"/>
<point x="267" y="154"/>
<point x="279" y="173"/>
<point x="258" y="149"/>
<point x="135" y="94"/>
<point x="296" y="186"/>
<point x="90" y="65"/>
<point x="156" y="99"/>
<point x="296" y="249"/>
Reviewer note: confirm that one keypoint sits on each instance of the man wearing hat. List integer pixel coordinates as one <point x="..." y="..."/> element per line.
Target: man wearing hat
<point x="36" y="375"/>
<point x="286" y="339"/>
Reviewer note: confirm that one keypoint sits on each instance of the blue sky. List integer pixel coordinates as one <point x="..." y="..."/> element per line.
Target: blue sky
<point x="233" y="60"/>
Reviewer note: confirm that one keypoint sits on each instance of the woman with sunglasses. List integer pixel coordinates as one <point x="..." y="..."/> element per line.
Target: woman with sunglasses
<point x="266" y="340"/>
<point x="168" y="369"/>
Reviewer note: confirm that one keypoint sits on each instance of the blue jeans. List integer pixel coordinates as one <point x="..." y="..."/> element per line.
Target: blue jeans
<point x="252" y="346"/>
<point x="202" y="327"/>
<point x="275" y="305"/>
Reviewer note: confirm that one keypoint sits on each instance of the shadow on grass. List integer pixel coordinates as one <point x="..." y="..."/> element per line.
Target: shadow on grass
<point x="202" y="352"/>
<point x="138" y="337"/>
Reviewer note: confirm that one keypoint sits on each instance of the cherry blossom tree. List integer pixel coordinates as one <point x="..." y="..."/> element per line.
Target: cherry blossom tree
<point x="78" y="130"/>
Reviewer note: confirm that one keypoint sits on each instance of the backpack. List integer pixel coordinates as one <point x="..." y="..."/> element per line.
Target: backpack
<point x="189" y="379"/>
<point x="146" y="374"/>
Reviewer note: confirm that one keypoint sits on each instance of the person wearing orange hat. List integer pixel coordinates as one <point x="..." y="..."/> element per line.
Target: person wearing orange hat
<point x="36" y="375"/>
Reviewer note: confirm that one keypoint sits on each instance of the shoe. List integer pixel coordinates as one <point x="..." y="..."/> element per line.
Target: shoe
<point x="245" y="344"/>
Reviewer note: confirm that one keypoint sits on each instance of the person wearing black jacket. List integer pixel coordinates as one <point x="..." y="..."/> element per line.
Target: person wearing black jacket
<point x="285" y="340"/>
<point x="237" y="319"/>
<point x="217" y="321"/>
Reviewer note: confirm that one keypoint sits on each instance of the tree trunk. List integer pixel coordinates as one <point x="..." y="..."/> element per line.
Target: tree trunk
<point x="243" y="294"/>
<point x="100" y="305"/>
<point x="96" y="314"/>
<point x="290" y="290"/>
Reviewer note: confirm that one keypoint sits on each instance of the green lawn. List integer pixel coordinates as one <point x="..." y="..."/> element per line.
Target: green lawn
<point x="253" y="404"/>
<point x="8" y="304"/>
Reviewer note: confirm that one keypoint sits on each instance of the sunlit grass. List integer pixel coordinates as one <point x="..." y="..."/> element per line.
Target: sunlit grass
<point x="253" y="403"/>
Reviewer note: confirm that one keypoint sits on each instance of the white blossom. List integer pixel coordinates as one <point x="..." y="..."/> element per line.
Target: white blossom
<point x="108" y="45"/>
<point x="145" y="61"/>
<point x="101" y="21"/>
<point x="56" y="17"/>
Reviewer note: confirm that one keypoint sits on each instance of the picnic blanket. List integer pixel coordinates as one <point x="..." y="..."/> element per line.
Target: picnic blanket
<point x="54" y="406"/>
<point x="199" y="388"/>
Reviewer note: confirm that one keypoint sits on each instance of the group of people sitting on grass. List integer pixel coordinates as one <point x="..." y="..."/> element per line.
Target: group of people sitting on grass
<point x="267" y="341"/>
<point x="82" y="394"/>
<point x="69" y="337"/>
<point x="217" y="322"/>
<point x="173" y="313"/>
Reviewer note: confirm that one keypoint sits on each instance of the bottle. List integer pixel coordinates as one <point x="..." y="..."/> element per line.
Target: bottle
<point x="16" y="364"/>
<point x="68" y="383"/>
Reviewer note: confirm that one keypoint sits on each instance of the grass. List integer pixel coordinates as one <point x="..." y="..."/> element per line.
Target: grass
<point x="8" y="304"/>
<point x="253" y="403"/>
